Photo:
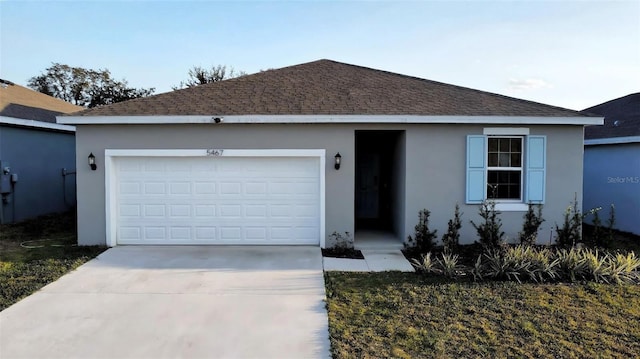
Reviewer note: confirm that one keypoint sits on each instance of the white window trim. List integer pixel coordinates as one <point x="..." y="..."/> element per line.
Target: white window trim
<point x="505" y="131"/>
<point x="110" y="181"/>
<point x="511" y="207"/>
<point x="506" y="205"/>
<point x="521" y="169"/>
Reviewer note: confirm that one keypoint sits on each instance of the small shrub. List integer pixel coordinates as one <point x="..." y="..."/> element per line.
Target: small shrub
<point x="597" y="233"/>
<point x="448" y="265"/>
<point x="598" y="267"/>
<point x="625" y="268"/>
<point x="503" y="265"/>
<point x="425" y="264"/>
<point x="572" y="264"/>
<point x="532" y="221"/>
<point x="519" y="263"/>
<point x="611" y="221"/>
<point x="489" y="231"/>
<point x="424" y="239"/>
<point x="478" y="269"/>
<point x="451" y="239"/>
<point x="570" y="233"/>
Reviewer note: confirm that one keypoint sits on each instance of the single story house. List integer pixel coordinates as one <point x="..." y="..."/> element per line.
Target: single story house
<point x="37" y="155"/>
<point x="612" y="162"/>
<point x="291" y="155"/>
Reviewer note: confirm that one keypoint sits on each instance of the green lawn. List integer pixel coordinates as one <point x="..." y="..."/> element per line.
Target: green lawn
<point x="25" y="270"/>
<point x="403" y="315"/>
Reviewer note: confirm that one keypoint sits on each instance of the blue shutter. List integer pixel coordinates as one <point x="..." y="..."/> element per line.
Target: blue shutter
<point x="476" y="169"/>
<point x="536" y="169"/>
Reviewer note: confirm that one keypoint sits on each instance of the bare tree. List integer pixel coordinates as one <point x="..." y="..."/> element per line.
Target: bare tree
<point x="199" y="76"/>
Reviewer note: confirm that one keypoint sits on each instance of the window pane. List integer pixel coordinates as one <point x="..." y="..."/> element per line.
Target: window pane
<point x="516" y="160"/>
<point x="503" y="192"/>
<point x="503" y="184"/>
<point x="493" y="145"/>
<point x="493" y="159"/>
<point x="516" y="145"/>
<point x="492" y="176"/>
<point x="504" y="160"/>
<point x="504" y="145"/>
<point x="514" y="191"/>
<point x="505" y="152"/>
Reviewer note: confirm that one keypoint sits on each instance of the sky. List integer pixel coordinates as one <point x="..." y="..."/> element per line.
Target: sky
<point x="572" y="54"/>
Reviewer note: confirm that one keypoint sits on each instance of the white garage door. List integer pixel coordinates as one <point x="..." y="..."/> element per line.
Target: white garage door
<point x="217" y="200"/>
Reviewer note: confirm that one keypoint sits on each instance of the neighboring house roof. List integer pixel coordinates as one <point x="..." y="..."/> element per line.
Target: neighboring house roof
<point x="326" y="87"/>
<point x="622" y="118"/>
<point x="22" y="103"/>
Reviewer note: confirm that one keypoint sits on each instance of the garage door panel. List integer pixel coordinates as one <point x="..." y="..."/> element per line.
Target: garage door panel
<point x="218" y="200"/>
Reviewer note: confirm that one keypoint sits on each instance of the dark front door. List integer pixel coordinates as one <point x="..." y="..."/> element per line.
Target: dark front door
<point x="368" y="186"/>
<point x="375" y="151"/>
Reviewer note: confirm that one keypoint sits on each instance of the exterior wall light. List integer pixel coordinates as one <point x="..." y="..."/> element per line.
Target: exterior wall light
<point x="338" y="160"/>
<point x="92" y="161"/>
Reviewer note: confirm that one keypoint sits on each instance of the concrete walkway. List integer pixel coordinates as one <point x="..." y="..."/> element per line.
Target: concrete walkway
<point x="189" y="302"/>
<point x="375" y="260"/>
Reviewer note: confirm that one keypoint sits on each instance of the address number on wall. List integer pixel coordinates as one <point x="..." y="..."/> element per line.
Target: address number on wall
<point x="214" y="152"/>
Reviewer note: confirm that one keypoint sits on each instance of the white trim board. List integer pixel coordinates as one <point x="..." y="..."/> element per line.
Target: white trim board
<point x="36" y="124"/>
<point x="521" y="131"/>
<point x="306" y="119"/>
<point x="110" y="181"/>
<point x="612" y="140"/>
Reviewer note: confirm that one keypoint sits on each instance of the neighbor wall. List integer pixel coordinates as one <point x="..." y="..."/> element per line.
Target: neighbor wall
<point x="612" y="176"/>
<point x="38" y="157"/>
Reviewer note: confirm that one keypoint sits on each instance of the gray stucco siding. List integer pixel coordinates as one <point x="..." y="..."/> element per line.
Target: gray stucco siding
<point x="436" y="177"/>
<point x="429" y="157"/>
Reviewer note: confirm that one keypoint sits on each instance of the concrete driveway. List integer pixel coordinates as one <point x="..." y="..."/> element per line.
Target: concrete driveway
<point x="187" y="302"/>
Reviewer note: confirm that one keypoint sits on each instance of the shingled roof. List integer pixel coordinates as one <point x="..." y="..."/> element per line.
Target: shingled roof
<point x="20" y="102"/>
<point x="326" y="87"/>
<point x="621" y="118"/>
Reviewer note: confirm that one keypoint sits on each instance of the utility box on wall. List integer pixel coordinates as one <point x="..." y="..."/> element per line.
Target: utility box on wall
<point x="5" y="178"/>
<point x="5" y="184"/>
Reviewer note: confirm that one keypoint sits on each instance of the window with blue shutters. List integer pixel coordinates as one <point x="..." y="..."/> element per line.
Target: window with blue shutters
<point x="506" y="168"/>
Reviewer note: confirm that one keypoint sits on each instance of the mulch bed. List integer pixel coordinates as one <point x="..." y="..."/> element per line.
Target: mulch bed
<point x="342" y="253"/>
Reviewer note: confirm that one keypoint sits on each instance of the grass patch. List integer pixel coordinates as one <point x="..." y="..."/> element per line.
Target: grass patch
<point x="36" y="252"/>
<point x="404" y="315"/>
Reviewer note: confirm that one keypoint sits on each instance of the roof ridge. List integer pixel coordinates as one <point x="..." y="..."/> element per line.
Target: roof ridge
<point x="615" y="99"/>
<point x="330" y="87"/>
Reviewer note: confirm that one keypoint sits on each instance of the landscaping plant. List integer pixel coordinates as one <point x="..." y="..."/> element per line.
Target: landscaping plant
<point x="610" y="223"/>
<point x="448" y="265"/>
<point x="532" y="221"/>
<point x="489" y="231"/>
<point x="522" y="263"/>
<point x="601" y="236"/>
<point x="570" y="233"/>
<point x="425" y="264"/>
<point x="597" y="233"/>
<point x="424" y="239"/>
<point x="451" y="239"/>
